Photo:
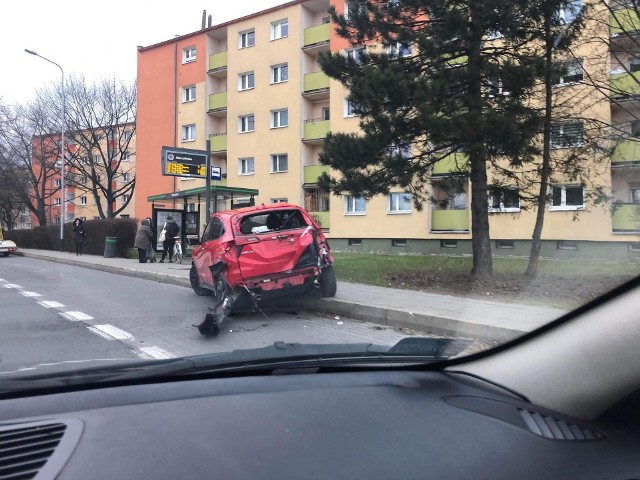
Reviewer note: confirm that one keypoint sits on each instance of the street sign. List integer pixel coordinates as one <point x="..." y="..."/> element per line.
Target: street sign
<point x="184" y="162"/>
<point x="216" y="173"/>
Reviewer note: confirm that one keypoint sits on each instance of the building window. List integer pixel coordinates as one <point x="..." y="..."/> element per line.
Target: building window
<point x="448" y="244"/>
<point x="568" y="72"/>
<point x="246" y="81"/>
<point x="246" y="123"/>
<point x="352" y="7"/>
<point x="404" y="151"/>
<point x="56" y="201"/>
<point x="495" y="88"/>
<point x="82" y="180"/>
<point x="127" y="134"/>
<point x="189" y="94"/>
<point x="326" y="113"/>
<point x="504" y="199"/>
<point x="279" y="29"/>
<point x="279" y="118"/>
<point x="634" y="247"/>
<point x="83" y="200"/>
<point x="188" y="133"/>
<point x="355" y="205"/>
<point x="316" y="200"/>
<point x="355" y="242"/>
<point x="97" y="159"/>
<point x="247" y="38"/>
<point x="567" y="197"/>
<point x="96" y="217"/>
<point x="571" y="11"/>
<point x="279" y="163"/>
<point x="399" y="242"/>
<point x="505" y="244"/>
<point x="57" y="182"/>
<point x="126" y="156"/>
<point x="357" y="54"/>
<point x="567" y="135"/>
<point x="84" y="161"/>
<point x="567" y="245"/>
<point x="125" y="216"/>
<point x="279" y="73"/>
<point x="125" y="198"/>
<point x="189" y="54"/>
<point x="126" y="177"/>
<point x="245" y="166"/>
<point x="279" y="200"/>
<point x="400" y="50"/>
<point x="349" y="108"/>
<point x="399" y="203"/>
<point x="634" y="195"/>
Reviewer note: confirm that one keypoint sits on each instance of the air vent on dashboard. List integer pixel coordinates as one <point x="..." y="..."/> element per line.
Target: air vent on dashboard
<point x="557" y="429"/>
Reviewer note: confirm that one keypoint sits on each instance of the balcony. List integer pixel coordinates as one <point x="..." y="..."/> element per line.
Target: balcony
<point x="218" y="103"/>
<point x="625" y="84"/>
<point x="218" y="63"/>
<point x="626" y="152"/>
<point x="450" y="220"/>
<point x="316" y="38"/>
<point x="322" y="218"/>
<point x="626" y="218"/>
<point x="623" y="22"/>
<point x="454" y="164"/>
<point x="218" y="143"/>
<point x="313" y="172"/>
<point x="315" y="130"/>
<point x="316" y="86"/>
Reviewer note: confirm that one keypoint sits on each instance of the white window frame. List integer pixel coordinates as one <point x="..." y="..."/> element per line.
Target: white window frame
<point x="279" y="200"/>
<point x="126" y="156"/>
<point x="97" y="159"/>
<point x="348" y="109"/>
<point x="244" y="38"/>
<point x="357" y="54"/>
<point x="189" y="54"/>
<point x="494" y="90"/>
<point x="401" y="50"/>
<point x="568" y="15"/>
<point x="560" y="129"/>
<point x="57" y="182"/>
<point x="578" y="64"/>
<point x="83" y="180"/>
<point x="502" y="208"/>
<point x="83" y="200"/>
<point x="276" y="118"/>
<point x="189" y="132"/>
<point x="243" y="123"/>
<point x="126" y="177"/>
<point x="243" y="81"/>
<point x="277" y="28"/>
<point x="125" y="198"/>
<point x="393" y="203"/>
<point x="405" y="151"/>
<point x="275" y="162"/>
<point x="276" y="73"/>
<point x="189" y="94"/>
<point x="353" y="3"/>
<point x="350" y="204"/>
<point x="563" y="207"/>
<point x="56" y="202"/>
<point x="246" y="166"/>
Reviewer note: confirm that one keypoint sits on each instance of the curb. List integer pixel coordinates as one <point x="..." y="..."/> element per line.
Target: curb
<point x="384" y="316"/>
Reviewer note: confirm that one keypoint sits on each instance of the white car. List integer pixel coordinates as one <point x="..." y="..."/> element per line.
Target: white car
<point x="7" y="247"/>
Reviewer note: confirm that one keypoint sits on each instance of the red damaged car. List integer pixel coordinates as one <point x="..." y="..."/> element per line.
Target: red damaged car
<point x="263" y="252"/>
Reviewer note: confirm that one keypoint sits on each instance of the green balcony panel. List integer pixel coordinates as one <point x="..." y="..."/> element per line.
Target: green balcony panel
<point x="450" y="220"/>
<point x="456" y="163"/>
<point x="322" y="218"/>
<point x="626" y="218"/>
<point x="218" y="143"/>
<point x="623" y="21"/>
<point x="316" y="129"/>
<point x="315" y="81"/>
<point x="626" y="151"/>
<point x="623" y="84"/>
<point x="317" y="34"/>
<point x="312" y="172"/>
<point x="218" y="101"/>
<point x="217" y="60"/>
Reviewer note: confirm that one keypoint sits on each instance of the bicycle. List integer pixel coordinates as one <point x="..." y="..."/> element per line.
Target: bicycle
<point x="177" y="251"/>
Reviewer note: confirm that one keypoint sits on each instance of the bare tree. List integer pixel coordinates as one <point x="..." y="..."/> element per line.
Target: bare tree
<point x="11" y="202"/>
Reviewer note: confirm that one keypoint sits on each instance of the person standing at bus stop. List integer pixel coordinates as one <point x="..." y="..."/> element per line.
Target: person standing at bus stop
<point x="172" y="230"/>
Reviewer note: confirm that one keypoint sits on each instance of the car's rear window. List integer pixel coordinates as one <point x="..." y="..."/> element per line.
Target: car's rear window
<point x="272" y="221"/>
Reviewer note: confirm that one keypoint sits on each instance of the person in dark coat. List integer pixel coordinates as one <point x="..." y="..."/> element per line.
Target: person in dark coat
<point x="172" y="230"/>
<point x="151" y="252"/>
<point x="79" y="234"/>
<point x="144" y="236"/>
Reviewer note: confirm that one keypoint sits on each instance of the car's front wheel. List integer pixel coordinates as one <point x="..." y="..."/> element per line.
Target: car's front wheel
<point x="195" y="283"/>
<point x="328" y="284"/>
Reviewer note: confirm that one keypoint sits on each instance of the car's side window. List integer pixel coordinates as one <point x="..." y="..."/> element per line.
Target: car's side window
<point x="217" y="230"/>
<point x="207" y="231"/>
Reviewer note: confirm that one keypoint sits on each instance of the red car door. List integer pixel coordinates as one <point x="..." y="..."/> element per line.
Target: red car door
<point x="209" y="251"/>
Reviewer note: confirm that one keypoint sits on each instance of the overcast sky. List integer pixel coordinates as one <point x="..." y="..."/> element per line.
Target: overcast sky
<point x="93" y="38"/>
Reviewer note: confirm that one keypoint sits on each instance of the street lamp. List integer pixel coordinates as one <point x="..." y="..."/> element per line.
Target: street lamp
<point x="63" y="203"/>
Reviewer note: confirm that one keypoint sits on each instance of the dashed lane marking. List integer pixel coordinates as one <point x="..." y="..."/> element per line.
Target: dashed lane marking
<point x="13" y="285"/>
<point x="29" y="294"/>
<point x="76" y="316"/>
<point x="155" y="353"/>
<point x="50" y="304"/>
<point x="110" y="332"/>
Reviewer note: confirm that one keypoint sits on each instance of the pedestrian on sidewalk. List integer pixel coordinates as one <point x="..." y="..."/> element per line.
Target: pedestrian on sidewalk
<point x="172" y="230"/>
<point x="151" y="252"/>
<point x="144" y="236"/>
<point x="79" y="234"/>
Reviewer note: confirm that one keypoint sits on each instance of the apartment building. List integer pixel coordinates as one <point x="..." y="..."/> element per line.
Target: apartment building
<point x="254" y="88"/>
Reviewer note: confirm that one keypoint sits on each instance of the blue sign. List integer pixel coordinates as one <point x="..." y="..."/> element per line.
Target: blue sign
<point x="216" y="173"/>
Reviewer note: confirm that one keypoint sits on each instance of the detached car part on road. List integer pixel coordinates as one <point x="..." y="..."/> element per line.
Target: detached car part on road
<point x="260" y="252"/>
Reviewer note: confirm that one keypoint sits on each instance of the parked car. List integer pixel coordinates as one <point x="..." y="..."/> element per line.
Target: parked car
<point x="263" y="251"/>
<point x="7" y="246"/>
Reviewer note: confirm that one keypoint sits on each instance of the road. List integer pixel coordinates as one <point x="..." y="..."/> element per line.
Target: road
<point x="51" y="312"/>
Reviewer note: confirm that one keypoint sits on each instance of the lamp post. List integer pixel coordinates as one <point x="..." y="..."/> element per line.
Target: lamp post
<point x="63" y="202"/>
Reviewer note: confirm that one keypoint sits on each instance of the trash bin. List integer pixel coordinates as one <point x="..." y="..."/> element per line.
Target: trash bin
<point x="110" y="247"/>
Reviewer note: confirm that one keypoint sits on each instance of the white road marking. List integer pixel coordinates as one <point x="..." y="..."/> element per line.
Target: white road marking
<point x="155" y="353"/>
<point x="76" y="316"/>
<point x="13" y="285"/>
<point x="50" y="304"/>
<point x="110" y="332"/>
<point x="30" y="294"/>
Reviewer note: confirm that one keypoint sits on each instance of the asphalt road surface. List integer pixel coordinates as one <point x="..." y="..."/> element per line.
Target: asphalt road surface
<point x="51" y="312"/>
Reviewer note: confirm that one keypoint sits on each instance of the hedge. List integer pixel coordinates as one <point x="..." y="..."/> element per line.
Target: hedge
<point x="48" y="237"/>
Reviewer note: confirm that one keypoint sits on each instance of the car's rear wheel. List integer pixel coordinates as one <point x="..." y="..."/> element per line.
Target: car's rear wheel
<point x="328" y="284"/>
<point x="195" y="283"/>
<point x="6" y="254"/>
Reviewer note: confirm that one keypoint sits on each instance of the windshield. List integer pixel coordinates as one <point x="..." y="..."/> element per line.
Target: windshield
<point x="321" y="178"/>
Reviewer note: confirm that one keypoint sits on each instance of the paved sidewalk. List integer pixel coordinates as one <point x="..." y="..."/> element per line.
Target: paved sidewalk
<point x="439" y="314"/>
